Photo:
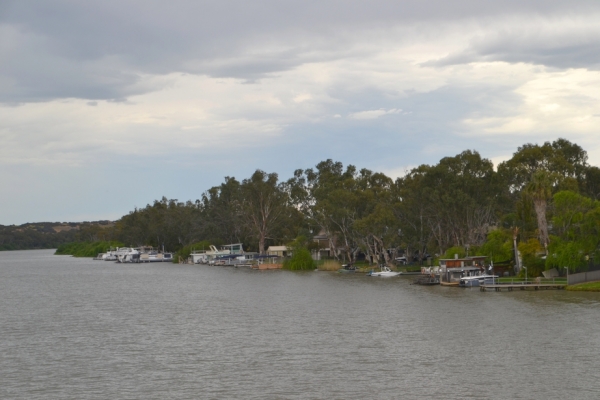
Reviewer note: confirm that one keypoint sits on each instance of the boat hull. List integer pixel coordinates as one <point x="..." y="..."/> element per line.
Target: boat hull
<point x="384" y="274"/>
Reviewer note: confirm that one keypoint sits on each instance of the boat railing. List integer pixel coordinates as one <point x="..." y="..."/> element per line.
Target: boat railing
<point x="526" y="281"/>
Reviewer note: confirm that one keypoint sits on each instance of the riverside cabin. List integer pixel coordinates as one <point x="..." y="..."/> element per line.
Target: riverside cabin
<point x="452" y="269"/>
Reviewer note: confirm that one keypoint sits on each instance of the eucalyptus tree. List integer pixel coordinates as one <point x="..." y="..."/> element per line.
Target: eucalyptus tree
<point x="328" y="197"/>
<point x="168" y="223"/>
<point x="568" y="160"/>
<point x="535" y="172"/>
<point x="377" y="226"/>
<point x="222" y="218"/>
<point x="131" y="228"/>
<point x="539" y="189"/>
<point x="265" y="205"/>
<point x="456" y="200"/>
<point x="412" y="211"/>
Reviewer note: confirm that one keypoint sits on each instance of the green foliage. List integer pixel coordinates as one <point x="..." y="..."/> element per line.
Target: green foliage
<point x="531" y="248"/>
<point x="301" y="258"/>
<point x="449" y="204"/>
<point x="167" y="223"/>
<point x="531" y="254"/>
<point x="576" y="223"/>
<point x="450" y="253"/>
<point x="264" y="206"/>
<point x="86" y="249"/>
<point x="499" y="246"/>
<point x="567" y="254"/>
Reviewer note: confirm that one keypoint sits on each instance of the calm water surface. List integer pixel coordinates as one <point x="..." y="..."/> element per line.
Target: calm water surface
<point x="81" y="329"/>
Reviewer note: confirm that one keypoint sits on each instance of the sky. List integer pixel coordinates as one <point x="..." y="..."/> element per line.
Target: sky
<point x="109" y="105"/>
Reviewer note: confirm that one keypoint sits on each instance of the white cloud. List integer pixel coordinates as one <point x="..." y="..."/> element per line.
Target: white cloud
<point x="396" y="172"/>
<point x="374" y="114"/>
<point x="552" y="101"/>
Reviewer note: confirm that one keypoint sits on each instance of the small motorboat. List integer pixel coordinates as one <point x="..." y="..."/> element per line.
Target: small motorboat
<point x="384" y="271"/>
<point x="347" y="269"/>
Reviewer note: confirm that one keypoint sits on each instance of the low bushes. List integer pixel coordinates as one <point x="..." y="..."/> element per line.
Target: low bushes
<point x="300" y="260"/>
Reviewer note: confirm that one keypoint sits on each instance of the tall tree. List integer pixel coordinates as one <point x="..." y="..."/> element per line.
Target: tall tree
<point x="456" y="198"/>
<point x="539" y="189"/>
<point x="329" y="198"/>
<point x="222" y="212"/>
<point x="264" y="204"/>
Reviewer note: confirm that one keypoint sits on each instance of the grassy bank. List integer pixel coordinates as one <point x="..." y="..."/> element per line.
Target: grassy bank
<point x="515" y="279"/>
<point x="328" y="265"/>
<point x="585" y="287"/>
<point x="85" y="249"/>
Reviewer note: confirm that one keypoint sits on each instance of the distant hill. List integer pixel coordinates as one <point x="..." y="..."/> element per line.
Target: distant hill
<point x="49" y="235"/>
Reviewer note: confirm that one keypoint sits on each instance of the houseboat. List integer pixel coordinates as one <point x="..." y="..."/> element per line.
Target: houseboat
<point x="452" y="270"/>
<point x="205" y="256"/>
<point x="155" y="256"/>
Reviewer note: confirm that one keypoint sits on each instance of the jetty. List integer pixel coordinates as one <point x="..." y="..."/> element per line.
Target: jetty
<point x="522" y="286"/>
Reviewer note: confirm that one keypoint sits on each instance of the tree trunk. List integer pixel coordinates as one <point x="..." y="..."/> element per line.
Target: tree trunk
<point x="517" y="263"/>
<point x="386" y="256"/>
<point x="540" y="210"/>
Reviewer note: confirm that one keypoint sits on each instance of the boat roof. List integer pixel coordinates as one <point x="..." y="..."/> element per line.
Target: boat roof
<point x="464" y="259"/>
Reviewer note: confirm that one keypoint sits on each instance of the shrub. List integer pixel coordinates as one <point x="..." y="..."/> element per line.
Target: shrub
<point x="301" y="260"/>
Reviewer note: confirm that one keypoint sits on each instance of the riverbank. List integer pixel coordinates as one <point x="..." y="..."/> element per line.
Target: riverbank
<point x="585" y="287"/>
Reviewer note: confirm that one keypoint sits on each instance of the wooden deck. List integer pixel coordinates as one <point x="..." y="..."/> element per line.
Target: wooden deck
<point x="522" y="286"/>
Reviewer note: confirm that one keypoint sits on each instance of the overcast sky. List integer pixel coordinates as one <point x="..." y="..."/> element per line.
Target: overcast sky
<point x="108" y="105"/>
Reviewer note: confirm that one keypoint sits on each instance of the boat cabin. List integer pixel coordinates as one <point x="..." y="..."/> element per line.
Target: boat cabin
<point x="453" y="269"/>
<point x="205" y="256"/>
<point x="279" y="251"/>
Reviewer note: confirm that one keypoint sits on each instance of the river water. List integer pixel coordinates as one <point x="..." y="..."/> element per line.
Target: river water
<point x="81" y="329"/>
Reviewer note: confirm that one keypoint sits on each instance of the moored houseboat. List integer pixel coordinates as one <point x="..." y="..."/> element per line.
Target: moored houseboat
<point x="452" y="270"/>
<point x="206" y="256"/>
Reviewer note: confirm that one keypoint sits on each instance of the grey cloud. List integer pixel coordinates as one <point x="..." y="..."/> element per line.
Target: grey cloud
<point x="99" y="50"/>
<point x="560" y="47"/>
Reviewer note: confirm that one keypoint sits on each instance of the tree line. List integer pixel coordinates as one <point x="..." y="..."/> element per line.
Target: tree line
<point x="543" y="200"/>
<point x="48" y="235"/>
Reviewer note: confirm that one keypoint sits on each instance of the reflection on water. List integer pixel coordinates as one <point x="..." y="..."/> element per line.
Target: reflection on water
<point x="82" y="329"/>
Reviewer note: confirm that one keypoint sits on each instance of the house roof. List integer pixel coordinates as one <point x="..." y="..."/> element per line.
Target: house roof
<point x="277" y="248"/>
